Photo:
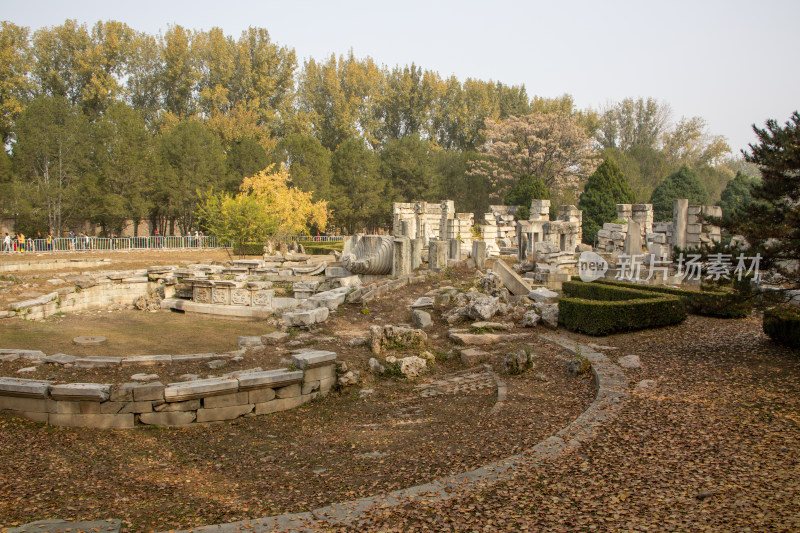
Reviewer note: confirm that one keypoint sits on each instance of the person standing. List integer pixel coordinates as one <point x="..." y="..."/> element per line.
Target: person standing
<point x="7" y="243"/>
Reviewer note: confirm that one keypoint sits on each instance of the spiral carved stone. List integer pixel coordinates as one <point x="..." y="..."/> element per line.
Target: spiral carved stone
<point x="372" y="254"/>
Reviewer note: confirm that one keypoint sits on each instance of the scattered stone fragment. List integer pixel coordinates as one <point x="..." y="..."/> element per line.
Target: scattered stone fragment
<point x="216" y="363"/>
<point x="144" y="377"/>
<point x="421" y="319"/>
<point x="366" y="392"/>
<point x="189" y="377"/>
<point x="517" y="362"/>
<point x="412" y="367"/>
<point x="250" y="341"/>
<point x="549" y="314"/>
<point x="60" y="359"/>
<point x="373" y="455"/>
<point x="276" y="337"/>
<point x="358" y="341"/>
<point x="423" y="302"/>
<point x="630" y="361"/>
<point x="375" y="367"/>
<point x="483" y="307"/>
<point x="349" y="378"/>
<point x="473" y="356"/>
<point x="646" y="385"/>
<point x="543" y="295"/>
<point x="491" y="325"/>
<point x="530" y="319"/>
<point x="26" y="370"/>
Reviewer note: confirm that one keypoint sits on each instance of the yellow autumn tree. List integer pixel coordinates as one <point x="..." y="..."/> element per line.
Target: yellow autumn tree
<point x="265" y="207"/>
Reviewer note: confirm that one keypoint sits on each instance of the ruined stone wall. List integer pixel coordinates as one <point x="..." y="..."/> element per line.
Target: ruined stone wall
<point x="177" y="404"/>
<point x="418" y="220"/>
<point x="685" y="230"/>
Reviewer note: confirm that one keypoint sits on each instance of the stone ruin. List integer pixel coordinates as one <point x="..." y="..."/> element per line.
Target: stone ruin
<point x="686" y="230"/>
<point x="499" y="229"/>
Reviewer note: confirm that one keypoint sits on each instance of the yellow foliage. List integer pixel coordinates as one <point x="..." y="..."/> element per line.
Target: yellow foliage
<point x="292" y="208"/>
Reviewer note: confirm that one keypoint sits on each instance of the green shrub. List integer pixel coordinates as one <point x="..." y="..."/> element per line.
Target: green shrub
<point x="782" y="324"/>
<point x="723" y="303"/>
<point x="597" y="309"/>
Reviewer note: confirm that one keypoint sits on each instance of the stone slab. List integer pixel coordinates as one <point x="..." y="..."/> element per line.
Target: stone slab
<point x="289" y="391"/>
<point x="94" y="392"/>
<point x="97" y="362"/>
<point x="31" y="355"/>
<point x="190" y="390"/>
<point x="146" y="360"/>
<point x="28" y="388"/>
<point x="313" y="359"/>
<point x="148" y="391"/>
<point x="513" y="282"/>
<point x="60" y="526"/>
<point x="281" y="404"/>
<point x="35" y="405"/>
<point x="226" y="400"/>
<point x="168" y="418"/>
<point x="223" y="413"/>
<point x="102" y="421"/>
<point x="188" y="405"/>
<point x="260" y="396"/>
<point x="269" y="379"/>
<point x="320" y="372"/>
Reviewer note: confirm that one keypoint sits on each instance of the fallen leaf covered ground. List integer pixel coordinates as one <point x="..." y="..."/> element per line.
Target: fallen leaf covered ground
<point x="714" y="447"/>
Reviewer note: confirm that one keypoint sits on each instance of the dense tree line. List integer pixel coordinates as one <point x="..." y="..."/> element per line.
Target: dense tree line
<point x="106" y="123"/>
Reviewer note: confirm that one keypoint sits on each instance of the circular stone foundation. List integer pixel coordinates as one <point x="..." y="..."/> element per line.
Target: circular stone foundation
<point x="89" y="340"/>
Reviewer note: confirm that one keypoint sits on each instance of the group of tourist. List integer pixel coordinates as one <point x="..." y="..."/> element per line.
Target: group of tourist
<point x="20" y="243"/>
<point x="79" y="241"/>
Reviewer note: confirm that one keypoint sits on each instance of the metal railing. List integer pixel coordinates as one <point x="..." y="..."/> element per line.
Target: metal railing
<point x="313" y="238"/>
<point x="89" y="244"/>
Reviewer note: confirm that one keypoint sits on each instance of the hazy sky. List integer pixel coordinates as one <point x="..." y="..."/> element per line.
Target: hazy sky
<point x="732" y="62"/>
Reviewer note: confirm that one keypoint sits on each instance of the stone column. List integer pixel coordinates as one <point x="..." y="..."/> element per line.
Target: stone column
<point x="680" y="219"/>
<point x="416" y="252"/>
<point x="479" y="254"/>
<point x="401" y="262"/>
<point x="523" y="241"/>
<point x="633" y="240"/>
<point x="455" y="249"/>
<point x="437" y="254"/>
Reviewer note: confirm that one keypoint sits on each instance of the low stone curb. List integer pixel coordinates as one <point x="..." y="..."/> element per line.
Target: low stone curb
<point x="612" y="392"/>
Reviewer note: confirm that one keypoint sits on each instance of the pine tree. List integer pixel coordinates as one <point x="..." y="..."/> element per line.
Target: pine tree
<point x="606" y="188"/>
<point x="527" y="188"/>
<point x="771" y="223"/>
<point x="681" y="184"/>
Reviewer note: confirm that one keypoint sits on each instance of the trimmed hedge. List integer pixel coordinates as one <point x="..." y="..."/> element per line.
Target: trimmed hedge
<point x="783" y="325"/>
<point x="597" y="309"/>
<point x="720" y="304"/>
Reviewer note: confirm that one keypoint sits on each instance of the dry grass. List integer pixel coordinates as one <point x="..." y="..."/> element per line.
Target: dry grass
<point x="128" y="333"/>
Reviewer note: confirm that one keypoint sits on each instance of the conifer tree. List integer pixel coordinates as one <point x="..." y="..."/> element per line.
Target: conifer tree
<point x="606" y="188"/>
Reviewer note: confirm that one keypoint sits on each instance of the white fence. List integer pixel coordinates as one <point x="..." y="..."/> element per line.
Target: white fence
<point x="87" y="244"/>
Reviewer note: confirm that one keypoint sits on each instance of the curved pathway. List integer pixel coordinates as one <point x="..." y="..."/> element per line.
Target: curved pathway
<point x="612" y="391"/>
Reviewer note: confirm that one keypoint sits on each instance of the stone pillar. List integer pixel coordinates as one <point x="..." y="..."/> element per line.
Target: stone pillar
<point x="523" y="241"/>
<point x="479" y="254"/>
<point x="680" y="219"/>
<point x="416" y="252"/>
<point x="448" y="212"/>
<point x="633" y="240"/>
<point x="455" y="249"/>
<point x="401" y="262"/>
<point x="437" y="254"/>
